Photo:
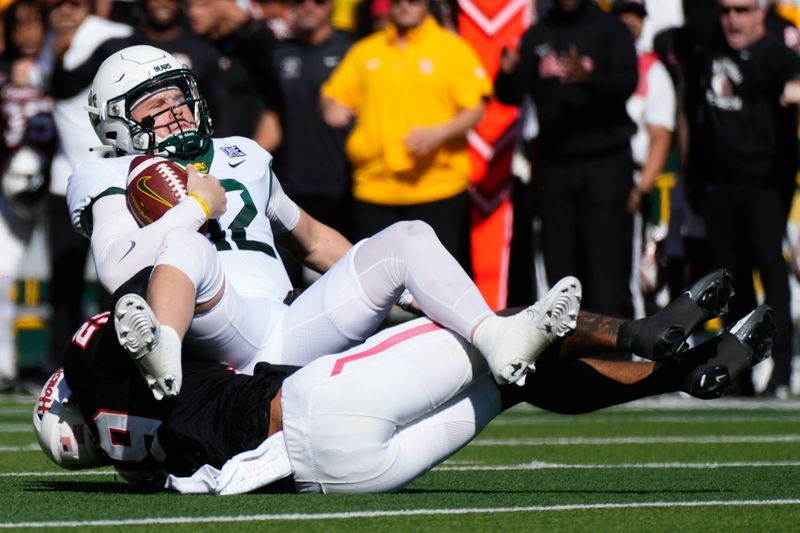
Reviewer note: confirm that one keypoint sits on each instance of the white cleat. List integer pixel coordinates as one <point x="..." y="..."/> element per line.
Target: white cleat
<point x="155" y="349"/>
<point x="512" y="344"/>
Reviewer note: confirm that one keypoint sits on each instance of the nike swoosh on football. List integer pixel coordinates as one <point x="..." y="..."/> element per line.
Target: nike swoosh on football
<point x="234" y="165"/>
<point x="133" y="245"/>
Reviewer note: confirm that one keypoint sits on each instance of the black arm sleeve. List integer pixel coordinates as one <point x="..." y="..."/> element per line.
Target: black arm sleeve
<point x="67" y="83"/>
<point x="510" y="87"/>
<point x="616" y="79"/>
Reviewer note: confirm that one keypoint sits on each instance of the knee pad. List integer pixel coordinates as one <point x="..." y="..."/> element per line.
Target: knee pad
<point x="196" y="257"/>
<point x="409" y="233"/>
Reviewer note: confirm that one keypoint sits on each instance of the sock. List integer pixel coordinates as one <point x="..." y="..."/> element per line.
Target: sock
<point x="661" y="335"/>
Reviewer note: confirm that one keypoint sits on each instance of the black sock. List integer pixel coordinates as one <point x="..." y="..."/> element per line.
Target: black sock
<point x="659" y="336"/>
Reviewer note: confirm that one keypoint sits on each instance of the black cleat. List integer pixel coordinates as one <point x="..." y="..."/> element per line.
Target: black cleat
<point x="712" y="292"/>
<point x="757" y="331"/>
<point x="664" y="334"/>
<point x="723" y="358"/>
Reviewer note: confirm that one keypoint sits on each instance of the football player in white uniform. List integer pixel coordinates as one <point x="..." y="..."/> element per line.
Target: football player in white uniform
<point x="363" y="420"/>
<point x="143" y="101"/>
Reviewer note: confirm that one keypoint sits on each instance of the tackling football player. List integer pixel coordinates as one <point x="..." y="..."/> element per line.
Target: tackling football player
<point x="366" y="419"/>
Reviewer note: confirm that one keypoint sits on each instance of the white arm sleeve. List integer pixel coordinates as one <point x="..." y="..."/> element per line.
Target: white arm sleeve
<point x="282" y="212"/>
<point x="660" y="105"/>
<point x="121" y="248"/>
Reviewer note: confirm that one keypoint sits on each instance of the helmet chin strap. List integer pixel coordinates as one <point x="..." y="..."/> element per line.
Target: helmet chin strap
<point x="178" y="144"/>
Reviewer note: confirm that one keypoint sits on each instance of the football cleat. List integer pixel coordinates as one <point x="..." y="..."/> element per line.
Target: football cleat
<point x="757" y="331"/>
<point x="155" y="349"/>
<point x="512" y="344"/>
<point x="723" y="358"/>
<point x="664" y="334"/>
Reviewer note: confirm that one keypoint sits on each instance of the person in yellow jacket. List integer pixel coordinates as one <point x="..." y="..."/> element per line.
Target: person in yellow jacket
<point x="414" y="91"/>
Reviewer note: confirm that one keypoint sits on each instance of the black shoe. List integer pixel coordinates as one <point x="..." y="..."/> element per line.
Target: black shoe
<point x="664" y="334"/>
<point x="723" y="358"/>
<point x="757" y="331"/>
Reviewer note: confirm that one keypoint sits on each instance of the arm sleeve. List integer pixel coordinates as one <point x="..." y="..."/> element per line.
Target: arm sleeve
<point x="660" y="106"/>
<point x="282" y="212"/>
<point x="67" y="83"/>
<point x="510" y="87"/>
<point x="121" y="248"/>
<point x="614" y="79"/>
<point x="786" y="64"/>
<point x="470" y="85"/>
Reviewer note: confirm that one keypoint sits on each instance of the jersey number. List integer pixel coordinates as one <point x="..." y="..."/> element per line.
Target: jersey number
<point x="238" y="227"/>
<point x="125" y="437"/>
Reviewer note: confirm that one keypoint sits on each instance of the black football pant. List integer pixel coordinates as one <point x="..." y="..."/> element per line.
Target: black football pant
<point x="586" y="229"/>
<point x="746" y="224"/>
<point x="68" y="253"/>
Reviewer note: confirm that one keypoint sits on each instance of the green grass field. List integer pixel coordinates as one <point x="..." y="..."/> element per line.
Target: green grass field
<point x="663" y="465"/>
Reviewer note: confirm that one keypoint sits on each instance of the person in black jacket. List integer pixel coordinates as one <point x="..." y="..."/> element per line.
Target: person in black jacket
<point x="579" y="66"/>
<point x="246" y="45"/>
<point x="311" y="160"/>
<point x="742" y="158"/>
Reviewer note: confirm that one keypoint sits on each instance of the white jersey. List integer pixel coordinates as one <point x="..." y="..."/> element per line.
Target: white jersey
<point x="75" y="133"/>
<point x="257" y="208"/>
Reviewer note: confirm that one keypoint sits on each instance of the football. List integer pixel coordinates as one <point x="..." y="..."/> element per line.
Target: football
<point x="155" y="185"/>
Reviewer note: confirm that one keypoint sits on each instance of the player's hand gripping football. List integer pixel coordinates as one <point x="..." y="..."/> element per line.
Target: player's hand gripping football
<point x="209" y="189"/>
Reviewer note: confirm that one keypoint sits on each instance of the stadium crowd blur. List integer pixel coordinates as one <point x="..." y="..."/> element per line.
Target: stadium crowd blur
<point x="637" y="188"/>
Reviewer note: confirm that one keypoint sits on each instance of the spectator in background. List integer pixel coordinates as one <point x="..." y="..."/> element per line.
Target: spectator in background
<point x="579" y="66"/>
<point x="370" y="16"/>
<point x="81" y="41"/>
<point x="311" y="160"/>
<point x="652" y="108"/>
<point x="277" y="14"/>
<point x="781" y="28"/>
<point x="415" y="90"/>
<point x="246" y="46"/>
<point x="27" y="141"/>
<point x="162" y="26"/>
<point x="743" y="159"/>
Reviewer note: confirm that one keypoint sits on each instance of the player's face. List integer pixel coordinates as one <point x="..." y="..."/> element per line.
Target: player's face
<point x="408" y="14"/>
<point x="168" y="119"/>
<point x="742" y="22"/>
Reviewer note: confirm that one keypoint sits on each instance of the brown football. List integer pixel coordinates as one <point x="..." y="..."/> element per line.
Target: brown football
<point x="155" y="185"/>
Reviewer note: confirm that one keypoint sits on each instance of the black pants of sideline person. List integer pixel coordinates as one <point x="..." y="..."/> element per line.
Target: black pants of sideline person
<point x="68" y="253"/>
<point x="586" y="229"/>
<point x="449" y="218"/>
<point x="746" y="224"/>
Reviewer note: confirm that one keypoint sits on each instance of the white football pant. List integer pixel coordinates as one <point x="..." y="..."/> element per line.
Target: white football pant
<point x="374" y="418"/>
<point x="339" y="310"/>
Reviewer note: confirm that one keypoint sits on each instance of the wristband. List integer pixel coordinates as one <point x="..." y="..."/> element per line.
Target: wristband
<point x="203" y="204"/>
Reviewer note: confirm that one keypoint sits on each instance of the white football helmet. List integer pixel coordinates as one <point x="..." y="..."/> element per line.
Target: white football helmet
<point x="128" y="76"/>
<point x="62" y="433"/>
<point x="23" y="181"/>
